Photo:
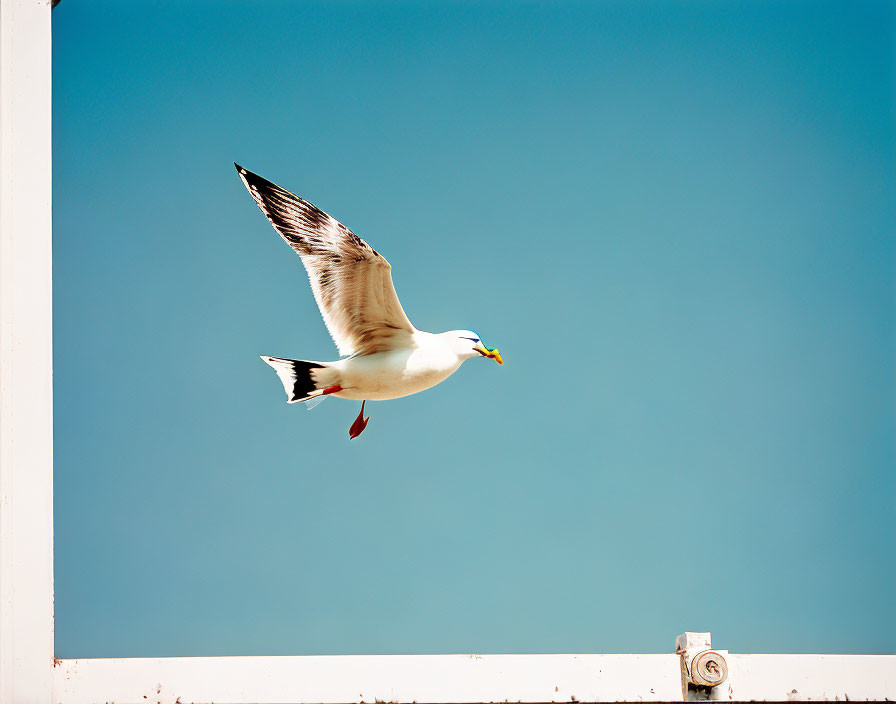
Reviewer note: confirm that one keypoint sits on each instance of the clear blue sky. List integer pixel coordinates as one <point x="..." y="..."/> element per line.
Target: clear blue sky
<point x="677" y="221"/>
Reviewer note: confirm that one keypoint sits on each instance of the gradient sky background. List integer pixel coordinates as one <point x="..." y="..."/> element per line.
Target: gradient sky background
<point x="675" y="220"/>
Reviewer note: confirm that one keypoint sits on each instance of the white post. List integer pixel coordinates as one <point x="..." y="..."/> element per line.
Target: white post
<point x="26" y="404"/>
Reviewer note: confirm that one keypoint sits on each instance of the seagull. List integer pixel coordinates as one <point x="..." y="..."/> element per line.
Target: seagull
<point x="383" y="355"/>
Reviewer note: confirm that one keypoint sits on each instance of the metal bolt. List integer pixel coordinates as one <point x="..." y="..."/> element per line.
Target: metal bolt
<point x="709" y="669"/>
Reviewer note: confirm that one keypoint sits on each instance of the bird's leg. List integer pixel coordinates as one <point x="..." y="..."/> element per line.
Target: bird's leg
<point x="359" y="424"/>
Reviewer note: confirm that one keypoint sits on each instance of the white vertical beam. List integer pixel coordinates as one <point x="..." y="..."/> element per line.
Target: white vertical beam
<point x="26" y="404"/>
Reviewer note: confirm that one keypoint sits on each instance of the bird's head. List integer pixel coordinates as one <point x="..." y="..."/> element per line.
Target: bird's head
<point x="468" y="344"/>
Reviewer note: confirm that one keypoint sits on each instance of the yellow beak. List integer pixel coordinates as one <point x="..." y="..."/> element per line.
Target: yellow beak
<point x="491" y="354"/>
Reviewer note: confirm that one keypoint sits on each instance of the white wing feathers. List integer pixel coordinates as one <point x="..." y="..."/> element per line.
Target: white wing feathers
<point x="351" y="281"/>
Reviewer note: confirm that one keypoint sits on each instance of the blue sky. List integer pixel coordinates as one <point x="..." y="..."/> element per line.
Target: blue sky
<point x="676" y="220"/>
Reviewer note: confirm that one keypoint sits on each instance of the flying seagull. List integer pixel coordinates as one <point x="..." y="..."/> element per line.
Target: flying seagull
<point x="384" y="355"/>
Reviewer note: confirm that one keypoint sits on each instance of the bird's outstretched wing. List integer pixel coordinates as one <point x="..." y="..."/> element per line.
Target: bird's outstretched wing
<point x="351" y="281"/>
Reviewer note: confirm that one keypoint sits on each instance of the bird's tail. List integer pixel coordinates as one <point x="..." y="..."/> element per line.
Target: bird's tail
<point x="302" y="380"/>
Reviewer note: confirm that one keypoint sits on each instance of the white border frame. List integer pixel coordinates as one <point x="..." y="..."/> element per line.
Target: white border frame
<point x="469" y="679"/>
<point x="26" y="362"/>
<point x="28" y="671"/>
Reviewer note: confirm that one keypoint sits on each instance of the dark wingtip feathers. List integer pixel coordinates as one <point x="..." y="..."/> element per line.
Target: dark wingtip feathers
<point x="251" y="179"/>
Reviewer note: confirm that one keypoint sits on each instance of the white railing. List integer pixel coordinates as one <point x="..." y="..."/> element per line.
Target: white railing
<point x="467" y="679"/>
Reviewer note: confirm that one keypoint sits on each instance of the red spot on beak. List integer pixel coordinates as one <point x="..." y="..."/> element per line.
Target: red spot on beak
<point x="359" y="424"/>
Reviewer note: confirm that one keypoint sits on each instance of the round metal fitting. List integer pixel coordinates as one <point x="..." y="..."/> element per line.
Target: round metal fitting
<point x="709" y="669"/>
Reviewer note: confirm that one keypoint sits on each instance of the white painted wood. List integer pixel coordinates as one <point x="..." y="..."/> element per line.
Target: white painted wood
<point x="26" y="417"/>
<point x="373" y="678"/>
<point x="466" y="679"/>
<point x="812" y="677"/>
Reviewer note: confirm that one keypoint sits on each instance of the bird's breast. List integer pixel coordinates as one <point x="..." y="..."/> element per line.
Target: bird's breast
<point x="386" y="375"/>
